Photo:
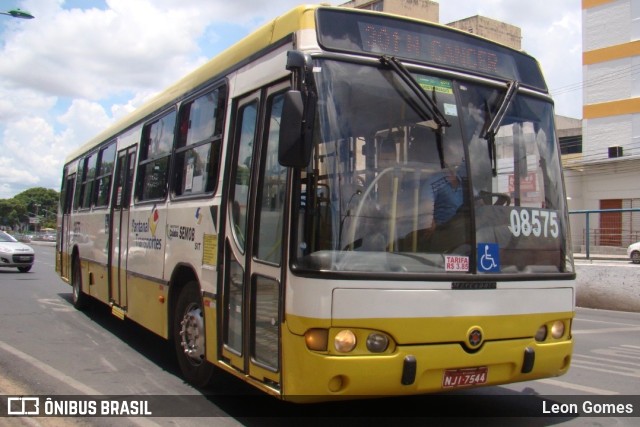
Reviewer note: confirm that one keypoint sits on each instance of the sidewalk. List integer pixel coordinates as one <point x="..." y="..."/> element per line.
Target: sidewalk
<point x="42" y="243"/>
<point x="600" y="257"/>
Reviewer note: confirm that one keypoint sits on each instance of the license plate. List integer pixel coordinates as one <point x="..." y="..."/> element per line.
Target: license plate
<point x="24" y="258"/>
<point x="465" y="377"/>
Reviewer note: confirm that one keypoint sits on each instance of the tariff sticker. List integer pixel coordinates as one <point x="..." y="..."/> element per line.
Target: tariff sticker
<point x="456" y="263"/>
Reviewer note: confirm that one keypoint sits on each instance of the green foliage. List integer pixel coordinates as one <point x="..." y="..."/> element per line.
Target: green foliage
<point x="39" y="201"/>
<point x="11" y="211"/>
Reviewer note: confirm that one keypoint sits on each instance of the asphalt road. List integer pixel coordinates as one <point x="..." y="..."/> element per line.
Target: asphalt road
<point x="49" y="348"/>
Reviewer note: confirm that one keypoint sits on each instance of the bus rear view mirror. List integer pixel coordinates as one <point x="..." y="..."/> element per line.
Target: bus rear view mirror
<point x="295" y="144"/>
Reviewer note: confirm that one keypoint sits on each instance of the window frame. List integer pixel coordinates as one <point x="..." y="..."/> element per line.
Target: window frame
<point x="144" y="159"/>
<point x="100" y="175"/>
<point x="215" y="142"/>
<point x="262" y="191"/>
<point x="85" y="197"/>
<point x="78" y="184"/>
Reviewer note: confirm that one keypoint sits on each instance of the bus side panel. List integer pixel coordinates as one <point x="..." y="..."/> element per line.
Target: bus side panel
<point x="188" y="226"/>
<point x="95" y="251"/>
<point x="192" y="251"/>
<point x="210" y="326"/>
<point x="148" y="303"/>
<point x="89" y="238"/>
<point x="98" y="281"/>
<point x="145" y="286"/>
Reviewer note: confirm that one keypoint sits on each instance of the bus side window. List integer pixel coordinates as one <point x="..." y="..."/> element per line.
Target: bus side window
<point x="79" y="178"/>
<point x="198" y="144"/>
<point x="86" y="188"/>
<point x="157" y="140"/>
<point x="103" y="175"/>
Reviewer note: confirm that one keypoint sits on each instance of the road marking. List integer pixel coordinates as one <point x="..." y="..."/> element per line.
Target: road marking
<point x="623" y="351"/>
<point x="622" y="360"/>
<point x="604" y="330"/>
<point x="634" y="373"/>
<point x="108" y="364"/>
<point x="607" y="360"/>
<point x="577" y="387"/>
<point x="56" y="305"/>
<point x="61" y="376"/>
<point x="605" y="321"/>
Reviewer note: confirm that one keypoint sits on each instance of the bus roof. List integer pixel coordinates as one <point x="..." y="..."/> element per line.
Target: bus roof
<point x="301" y="17"/>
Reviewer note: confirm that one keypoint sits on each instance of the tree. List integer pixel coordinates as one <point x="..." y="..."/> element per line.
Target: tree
<point x="11" y="212"/>
<point x="39" y="201"/>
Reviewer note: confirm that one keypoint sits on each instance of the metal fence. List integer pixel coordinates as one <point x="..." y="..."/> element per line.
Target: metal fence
<point x="604" y="231"/>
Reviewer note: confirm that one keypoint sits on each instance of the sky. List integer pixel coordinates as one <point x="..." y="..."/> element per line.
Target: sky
<point x="82" y="64"/>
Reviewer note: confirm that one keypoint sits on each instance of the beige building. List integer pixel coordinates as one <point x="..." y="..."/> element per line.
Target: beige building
<point x="428" y="10"/>
<point x="501" y="32"/>
<point x="420" y="9"/>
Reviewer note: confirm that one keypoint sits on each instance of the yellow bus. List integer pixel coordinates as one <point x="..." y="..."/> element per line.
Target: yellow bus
<point x="343" y="204"/>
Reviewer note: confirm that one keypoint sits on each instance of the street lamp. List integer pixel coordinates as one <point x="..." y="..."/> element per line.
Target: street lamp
<point x="18" y="13"/>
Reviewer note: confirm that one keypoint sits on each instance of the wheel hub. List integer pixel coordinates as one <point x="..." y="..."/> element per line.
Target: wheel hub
<point x="192" y="334"/>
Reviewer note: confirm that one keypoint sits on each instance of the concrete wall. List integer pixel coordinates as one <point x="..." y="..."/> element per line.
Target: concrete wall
<point x="420" y="9"/>
<point x="500" y="32"/>
<point x="606" y="25"/>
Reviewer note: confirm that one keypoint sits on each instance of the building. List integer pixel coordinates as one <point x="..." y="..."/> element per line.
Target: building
<point x="426" y="10"/>
<point x="501" y="32"/>
<point x="605" y="175"/>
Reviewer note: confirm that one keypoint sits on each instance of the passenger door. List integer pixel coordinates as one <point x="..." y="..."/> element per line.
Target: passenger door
<point x="121" y="198"/>
<point x="64" y="252"/>
<point x="252" y="290"/>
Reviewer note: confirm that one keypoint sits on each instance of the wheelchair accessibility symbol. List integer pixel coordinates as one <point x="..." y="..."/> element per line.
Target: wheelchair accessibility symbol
<point x="488" y="258"/>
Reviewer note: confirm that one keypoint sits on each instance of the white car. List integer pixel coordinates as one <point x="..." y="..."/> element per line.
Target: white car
<point x="633" y="252"/>
<point x="15" y="254"/>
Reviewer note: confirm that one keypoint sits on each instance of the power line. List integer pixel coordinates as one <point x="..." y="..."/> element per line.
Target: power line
<point x="622" y="73"/>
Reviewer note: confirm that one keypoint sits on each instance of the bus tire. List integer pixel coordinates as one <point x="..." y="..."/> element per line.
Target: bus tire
<point x="189" y="336"/>
<point x="79" y="299"/>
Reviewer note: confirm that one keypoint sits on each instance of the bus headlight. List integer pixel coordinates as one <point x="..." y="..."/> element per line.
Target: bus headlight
<point x="377" y="343"/>
<point x="345" y="341"/>
<point x="541" y="335"/>
<point x="557" y="330"/>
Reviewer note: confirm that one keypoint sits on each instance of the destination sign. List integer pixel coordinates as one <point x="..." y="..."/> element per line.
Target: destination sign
<point x="344" y="30"/>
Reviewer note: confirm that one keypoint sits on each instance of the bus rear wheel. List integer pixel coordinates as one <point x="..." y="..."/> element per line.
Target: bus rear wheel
<point x="80" y="300"/>
<point x="189" y="337"/>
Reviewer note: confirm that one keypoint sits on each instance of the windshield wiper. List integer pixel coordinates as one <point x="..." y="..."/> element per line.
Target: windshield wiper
<point x="492" y="129"/>
<point x="502" y="111"/>
<point x="429" y="108"/>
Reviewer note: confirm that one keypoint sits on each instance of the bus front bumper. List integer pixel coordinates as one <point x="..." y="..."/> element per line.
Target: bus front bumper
<point x="419" y="369"/>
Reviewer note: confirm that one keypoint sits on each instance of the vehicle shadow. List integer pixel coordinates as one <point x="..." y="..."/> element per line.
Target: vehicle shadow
<point x="145" y="342"/>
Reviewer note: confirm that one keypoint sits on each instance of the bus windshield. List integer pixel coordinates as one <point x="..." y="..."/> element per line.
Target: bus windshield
<point x="390" y="189"/>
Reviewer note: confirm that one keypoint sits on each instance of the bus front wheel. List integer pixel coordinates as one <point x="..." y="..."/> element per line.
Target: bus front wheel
<point x="189" y="337"/>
